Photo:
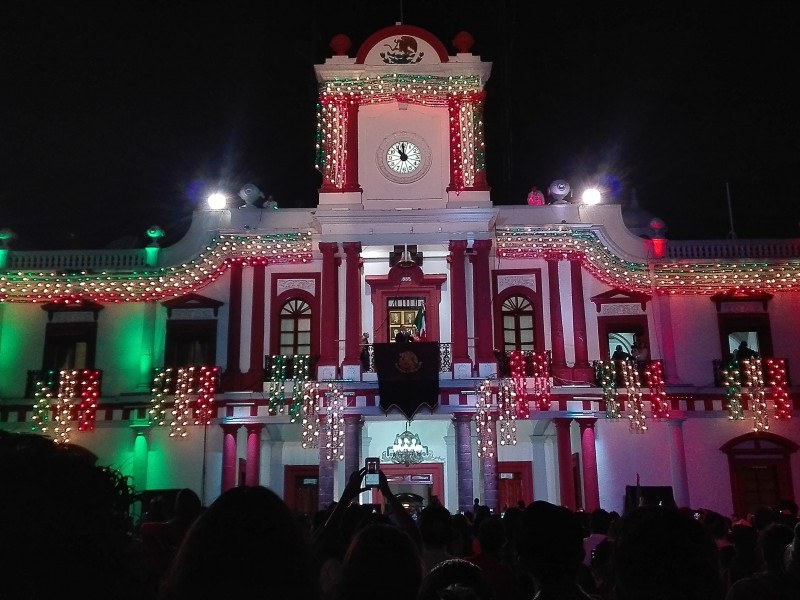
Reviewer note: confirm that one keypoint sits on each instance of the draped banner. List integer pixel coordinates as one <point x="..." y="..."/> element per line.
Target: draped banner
<point x="408" y="376"/>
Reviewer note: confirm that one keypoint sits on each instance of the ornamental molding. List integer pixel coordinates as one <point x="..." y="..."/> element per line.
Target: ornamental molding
<point x="626" y="310"/>
<point x="306" y="285"/>
<point x="507" y="281"/>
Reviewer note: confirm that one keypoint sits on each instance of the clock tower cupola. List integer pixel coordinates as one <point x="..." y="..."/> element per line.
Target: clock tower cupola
<point x="401" y="124"/>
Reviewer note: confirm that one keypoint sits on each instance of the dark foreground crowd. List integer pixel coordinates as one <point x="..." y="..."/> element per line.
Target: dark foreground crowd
<point x="66" y="531"/>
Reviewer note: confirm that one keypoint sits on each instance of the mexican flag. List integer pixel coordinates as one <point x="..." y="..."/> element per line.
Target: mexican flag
<point x="419" y="323"/>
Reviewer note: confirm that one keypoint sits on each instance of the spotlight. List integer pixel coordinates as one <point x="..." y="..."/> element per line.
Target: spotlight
<point x="217" y="201"/>
<point x="591" y="196"/>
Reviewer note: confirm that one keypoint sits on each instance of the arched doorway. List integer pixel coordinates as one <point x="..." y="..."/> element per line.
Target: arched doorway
<point x="760" y="469"/>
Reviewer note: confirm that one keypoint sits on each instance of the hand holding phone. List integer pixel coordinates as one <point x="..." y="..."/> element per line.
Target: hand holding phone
<point x="372" y="474"/>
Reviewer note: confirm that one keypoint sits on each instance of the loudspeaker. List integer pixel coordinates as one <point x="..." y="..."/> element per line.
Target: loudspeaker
<point x="648" y="495"/>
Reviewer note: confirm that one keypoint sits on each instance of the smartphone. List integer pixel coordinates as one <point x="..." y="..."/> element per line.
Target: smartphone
<point x="372" y="478"/>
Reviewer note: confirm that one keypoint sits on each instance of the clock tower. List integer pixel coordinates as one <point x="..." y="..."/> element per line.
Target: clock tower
<point x="401" y="124"/>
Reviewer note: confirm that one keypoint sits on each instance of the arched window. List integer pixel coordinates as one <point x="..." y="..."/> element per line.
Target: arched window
<point x="518" y="324"/>
<point x="295" y="328"/>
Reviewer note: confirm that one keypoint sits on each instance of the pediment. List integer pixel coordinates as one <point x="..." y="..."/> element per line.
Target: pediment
<point x="736" y="295"/>
<point x="619" y="296"/>
<point x="192" y="301"/>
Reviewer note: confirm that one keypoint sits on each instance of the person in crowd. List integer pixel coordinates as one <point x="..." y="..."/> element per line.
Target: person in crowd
<point x="745" y="560"/>
<point x="246" y="544"/>
<point x="65" y="525"/>
<point x="163" y="538"/>
<point x="661" y="553"/>
<point x="599" y="524"/>
<point x="436" y="529"/>
<point x="456" y="579"/>
<point x="771" y="582"/>
<point x="490" y="558"/>
<point x="331" y="539"/>
<point x="383" y="561"/>
<point x="550" y="546"/>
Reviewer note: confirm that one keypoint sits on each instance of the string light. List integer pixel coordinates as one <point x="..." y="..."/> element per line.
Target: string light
<point x="334" y="422"/>
<point x="43" y="402"/>
<point x="181" y="411"/>
<point x="302" y="368"/>
<point x="483" y="419"/>
<point x="776" y="371"/>
<point x="606" y="374"/>
<point x="635" y="403"/>
<point x="311" y="405"/>
<point x="654" y="372"/>
<point x="709" y="277"/>
<point x="162" y="382"/>
<point x="277" y="376"/>
<point x="754" y="381"/>
<point x="145" y="286"/>
<point x="517" y="364"/>
<point x="733" y="390"/>
<point x="207" y="387"/>
<point x="66" y="393"/>
<point x="89" y="390"/>
<point x="507" y="413"/>
<point x="540" y="374"/>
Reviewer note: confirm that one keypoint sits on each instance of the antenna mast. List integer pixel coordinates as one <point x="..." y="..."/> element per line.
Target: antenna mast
<point x="732" y="232"/>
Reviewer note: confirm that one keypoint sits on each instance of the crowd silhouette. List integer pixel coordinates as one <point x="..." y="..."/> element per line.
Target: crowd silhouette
<point x="66" y="530"/>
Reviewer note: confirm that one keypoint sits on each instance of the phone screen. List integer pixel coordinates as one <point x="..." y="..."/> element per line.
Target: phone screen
<point x="372" y="478"/>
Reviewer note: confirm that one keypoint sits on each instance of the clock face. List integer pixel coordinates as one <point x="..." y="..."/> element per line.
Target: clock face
<point x="403" y="157"/>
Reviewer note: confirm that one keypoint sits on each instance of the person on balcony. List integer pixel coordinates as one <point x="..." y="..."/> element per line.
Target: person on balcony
<point x="403" y="335"/>
<point x="620" y="354"/>
<point x="744" y="352"/>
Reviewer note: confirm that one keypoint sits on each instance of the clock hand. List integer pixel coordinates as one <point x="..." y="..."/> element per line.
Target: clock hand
<point x="402" y="150"/>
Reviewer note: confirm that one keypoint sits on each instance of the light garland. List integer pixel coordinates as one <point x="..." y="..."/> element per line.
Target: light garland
<point x="463" y="96"/>
<point x="635" y="403"/>
<point x="754" y="382"/>
<point x="506" y="413"/>
<point x="301" y="370"/>
<point x="654" y="372"/>
<point x="483" y="419"/>
<point x="89" y="390"/>
<point x="162" y="382"/>
<point x="67" y="384"/>
<point x="517" y="364"/>
<point x="709" y="277"/>
<point x="732" y="383"/>
<point x="334" y="422"/>
<point x="181" y="411"/>
<point x="540" y="373"/>
<point x="43" y="402"/>
<point x="776" y="371"/>
<point x="606" y="374"/>
<point x="207" y="387"/>
<point x="146" y="286"/>
<point x="310" y="424"/>
<point x="277" y="377"/>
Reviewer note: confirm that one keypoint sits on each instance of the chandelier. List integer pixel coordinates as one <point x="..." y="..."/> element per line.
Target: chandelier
<point x="407" y="449"/>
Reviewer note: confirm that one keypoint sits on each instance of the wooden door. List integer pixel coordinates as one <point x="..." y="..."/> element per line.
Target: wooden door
<point x="301" y="489"/>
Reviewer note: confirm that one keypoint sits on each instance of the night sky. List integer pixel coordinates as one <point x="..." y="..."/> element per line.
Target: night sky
<point x="116" y="116"/>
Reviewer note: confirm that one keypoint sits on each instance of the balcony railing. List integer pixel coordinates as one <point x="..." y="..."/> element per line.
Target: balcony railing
<point x="368" y="358"/>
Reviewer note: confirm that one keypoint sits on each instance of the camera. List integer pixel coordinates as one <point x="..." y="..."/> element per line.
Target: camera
<point x="372" y="476"/>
